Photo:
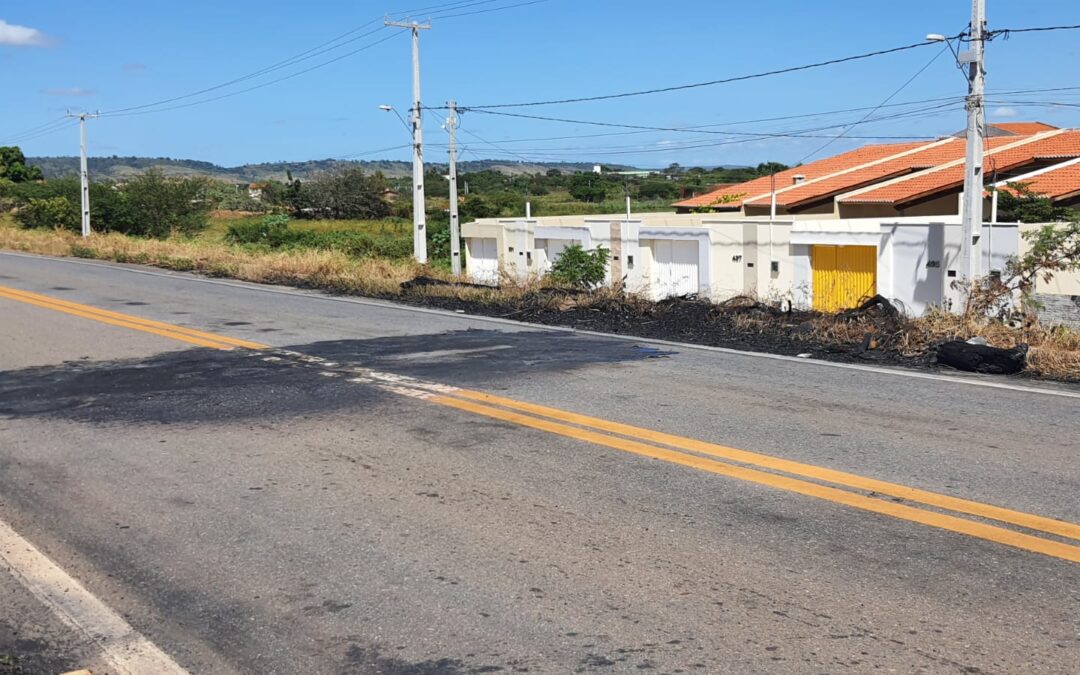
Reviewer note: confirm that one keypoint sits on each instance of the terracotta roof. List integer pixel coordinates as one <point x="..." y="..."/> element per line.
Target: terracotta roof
<point x="1005" y="154"/>
<point x="1058" y="181"/>
<point x="1024" y="128"/>
<point x="899" y="164"/>
<point x="733" y="197"/>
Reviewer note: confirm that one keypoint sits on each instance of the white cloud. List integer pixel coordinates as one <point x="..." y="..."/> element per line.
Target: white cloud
<point x="1005" y="111"/>
<point x="69" y="91"/>
<point x="21" y="36"/>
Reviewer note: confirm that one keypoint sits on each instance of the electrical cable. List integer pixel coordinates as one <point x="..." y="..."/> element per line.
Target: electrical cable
<point x="492" y="9"/>
<point x="890" y="97"/>
<point x="738" y="78"/>
<point x="758" y="135"/>
<point x="38" y="131"/>
<point x="300" y="57"/>
<point x="258" y="86"/>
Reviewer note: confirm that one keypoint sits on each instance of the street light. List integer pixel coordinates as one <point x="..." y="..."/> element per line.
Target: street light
<point x="935" y="37"/>
<point x="390" y="108"/>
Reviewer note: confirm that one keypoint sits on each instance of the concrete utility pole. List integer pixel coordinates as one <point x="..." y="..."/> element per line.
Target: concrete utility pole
<point x="455" y="225"/>
<point x="419" y="215"/>
<point x="84" y="175"/>
<point x="970" y="261"/>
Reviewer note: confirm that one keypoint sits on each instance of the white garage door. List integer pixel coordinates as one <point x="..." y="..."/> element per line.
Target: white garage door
<point x="483" y="259"/>
<point x="676" y="265"/>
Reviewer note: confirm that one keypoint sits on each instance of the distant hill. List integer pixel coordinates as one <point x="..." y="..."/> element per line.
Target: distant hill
<point x="118" y="168"/>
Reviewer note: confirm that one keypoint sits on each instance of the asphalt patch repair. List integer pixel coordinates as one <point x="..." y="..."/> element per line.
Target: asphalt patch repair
<point x="200" y="385"/>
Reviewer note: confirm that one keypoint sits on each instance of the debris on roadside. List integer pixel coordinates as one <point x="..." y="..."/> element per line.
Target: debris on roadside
<point x="978" y="357"/>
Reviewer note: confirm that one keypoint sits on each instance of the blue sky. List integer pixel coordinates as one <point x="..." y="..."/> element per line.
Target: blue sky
<point x="59" y="54"/>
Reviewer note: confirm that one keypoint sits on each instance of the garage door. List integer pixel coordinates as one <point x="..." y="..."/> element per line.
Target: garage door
<point x="483" y="259"/>
<point x="676" y="264"/>
<point x="844" y="276"/>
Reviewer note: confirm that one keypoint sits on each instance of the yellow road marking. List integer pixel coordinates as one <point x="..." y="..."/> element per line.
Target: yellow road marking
<point x="174" y="332"/>
<point x="903" y="512"/>
<point x="1028" y="520"/>
<point x="593" y="435"/>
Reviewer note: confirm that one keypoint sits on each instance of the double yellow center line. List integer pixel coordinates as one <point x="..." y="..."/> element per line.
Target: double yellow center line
<point x="985" y="521"/>
<point x="189" y="335"/>
<point x="863" y="493"/>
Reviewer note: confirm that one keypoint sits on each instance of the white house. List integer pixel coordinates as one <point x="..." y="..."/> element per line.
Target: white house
<point x="827" y="264"/>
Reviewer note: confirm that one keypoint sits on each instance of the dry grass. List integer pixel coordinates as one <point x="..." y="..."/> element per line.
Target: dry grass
<point x="1053" y="352"/>
<point x="320" y="269"/>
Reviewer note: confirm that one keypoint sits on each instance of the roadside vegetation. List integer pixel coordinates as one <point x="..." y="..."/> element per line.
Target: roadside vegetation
<point x="345" y="232"/>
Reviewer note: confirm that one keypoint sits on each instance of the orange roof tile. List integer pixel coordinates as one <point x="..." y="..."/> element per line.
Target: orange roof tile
<point x="733" y="196"/>
<point x="1005" y="154"/>
<point x="1024" y="128"/>
<point x="1055" y="183"/>
<point x="929" y="154"/>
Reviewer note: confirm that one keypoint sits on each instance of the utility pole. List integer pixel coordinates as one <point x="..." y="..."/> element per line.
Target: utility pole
<point x="970" y="261"/>
<point x="455" y="225"/>
<point x="84" y="176"/>
<point x="419" y="215"/>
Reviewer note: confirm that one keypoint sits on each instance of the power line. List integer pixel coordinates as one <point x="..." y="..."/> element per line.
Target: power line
<point x="40" y="130"/>
<point x="698" y="130"/>
<point x="492" y="9"/>
<point x="487" y="142"/>
<point x="309" y="54"/>
<point x="317" y="50"/>
<point x="738" y="78"/>
<point x="552" y="152"/>
<point x="1040" y="29"/>
<point x="258" y="86"/>
<point x="902" y="87"/>
<point x="365" y="153"/>
<point x="693" y="128"/>
<point x="696" y="142"/>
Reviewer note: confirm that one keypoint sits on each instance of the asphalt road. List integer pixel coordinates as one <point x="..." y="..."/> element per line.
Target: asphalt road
<point x="298" y="507"/>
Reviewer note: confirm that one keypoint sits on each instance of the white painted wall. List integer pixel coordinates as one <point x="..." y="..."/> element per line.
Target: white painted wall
<point x="915" y="261"/>
<point x="734" y="254"/>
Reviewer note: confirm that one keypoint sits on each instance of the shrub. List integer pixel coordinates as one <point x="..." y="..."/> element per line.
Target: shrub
<point x="165" y="206"/>
<point x="53" y="212"/>
<point x="274" y="233"/>
<point x="270" y="230"/>
<point x="580" y="268"/>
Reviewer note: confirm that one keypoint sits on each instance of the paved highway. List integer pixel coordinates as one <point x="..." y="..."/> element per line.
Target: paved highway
<point x="217" y="477"/>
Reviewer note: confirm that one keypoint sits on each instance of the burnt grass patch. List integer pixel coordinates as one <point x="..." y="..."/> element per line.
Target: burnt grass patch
<point x="875" y="334"/>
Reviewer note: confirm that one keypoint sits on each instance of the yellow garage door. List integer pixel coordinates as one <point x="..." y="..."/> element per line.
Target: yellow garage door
<point x="844" y="276"/>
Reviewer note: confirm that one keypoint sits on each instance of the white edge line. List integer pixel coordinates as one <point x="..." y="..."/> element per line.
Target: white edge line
<point x="298" y="292"/>
<point x="124" y="648"/>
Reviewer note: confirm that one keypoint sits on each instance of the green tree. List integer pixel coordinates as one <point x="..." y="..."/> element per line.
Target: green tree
<point x="52" y="212"/>
<point x="769" y="168"/>
<point x="587" y="187"/>
<point x="164" y="206"/>
<point x="1022" y="205"/>
<point x="475" y="206"/>
<point x="13" y="166"/>
<point x="348" y="193"/>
